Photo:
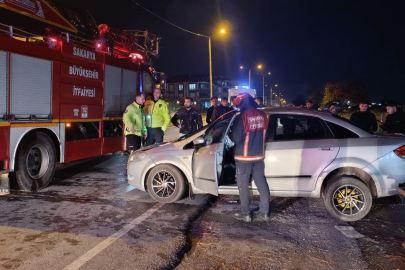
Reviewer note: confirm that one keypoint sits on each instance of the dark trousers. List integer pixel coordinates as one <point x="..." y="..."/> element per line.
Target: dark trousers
<point x="134" y="142"/>
<point x="155" y="135"/>
<point x="243" y="172"/>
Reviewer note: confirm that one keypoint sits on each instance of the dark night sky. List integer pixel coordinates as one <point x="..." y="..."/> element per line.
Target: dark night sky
<point x="303" y="43"/>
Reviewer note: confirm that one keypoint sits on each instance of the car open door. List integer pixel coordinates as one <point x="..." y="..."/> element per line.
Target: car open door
<point x="208" y="155"/>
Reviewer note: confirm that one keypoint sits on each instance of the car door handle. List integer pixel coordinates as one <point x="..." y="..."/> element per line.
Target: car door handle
<point x="326" y="147"/>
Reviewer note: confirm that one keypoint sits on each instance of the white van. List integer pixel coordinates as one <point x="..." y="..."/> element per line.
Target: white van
<point x="233" y="92"/>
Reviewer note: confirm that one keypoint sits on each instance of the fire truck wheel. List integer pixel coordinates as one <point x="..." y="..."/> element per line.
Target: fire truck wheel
<point x="36" y="163"/>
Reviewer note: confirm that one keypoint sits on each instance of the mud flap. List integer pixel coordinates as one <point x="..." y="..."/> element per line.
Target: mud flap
<point x="4" y="183"/>
<point x="190" y="192"/>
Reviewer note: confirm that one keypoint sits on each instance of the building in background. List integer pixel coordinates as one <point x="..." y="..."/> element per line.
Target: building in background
<point x="197" y="87"/>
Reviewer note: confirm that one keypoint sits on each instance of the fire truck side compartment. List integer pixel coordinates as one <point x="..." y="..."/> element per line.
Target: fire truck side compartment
<point x="30" y="82"/>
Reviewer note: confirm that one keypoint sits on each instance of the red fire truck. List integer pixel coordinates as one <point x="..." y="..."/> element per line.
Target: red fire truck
<point x="62" y="96"/>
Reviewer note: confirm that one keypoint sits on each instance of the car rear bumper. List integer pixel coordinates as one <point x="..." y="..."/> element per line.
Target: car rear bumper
<point x="388" y="172"/>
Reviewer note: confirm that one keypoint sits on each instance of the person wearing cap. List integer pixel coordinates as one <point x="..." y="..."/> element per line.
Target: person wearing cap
<point x="248" y="132"/>
<point x="364" y="117"/>
<point x="395" y="122"/>
<point x="157" y="118"/>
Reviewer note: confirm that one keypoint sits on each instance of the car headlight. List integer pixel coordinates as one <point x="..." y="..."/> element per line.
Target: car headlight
<point x="137" y="156"/>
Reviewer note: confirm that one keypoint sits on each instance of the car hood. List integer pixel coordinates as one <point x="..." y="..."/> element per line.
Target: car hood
<point x="163" y="146"/>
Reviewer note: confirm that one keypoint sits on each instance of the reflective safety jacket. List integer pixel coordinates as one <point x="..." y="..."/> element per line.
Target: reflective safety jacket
<point x="134" y="117"/>
<point x="157" y="114"/>
<point x="249" y="134"/>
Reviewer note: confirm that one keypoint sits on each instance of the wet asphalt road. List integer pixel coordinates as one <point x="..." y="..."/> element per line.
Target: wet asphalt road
<point x="90" y="218"/>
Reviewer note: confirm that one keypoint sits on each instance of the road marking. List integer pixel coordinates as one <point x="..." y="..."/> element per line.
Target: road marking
<point x="107" y="242"/>
<point x="349" y="231"/>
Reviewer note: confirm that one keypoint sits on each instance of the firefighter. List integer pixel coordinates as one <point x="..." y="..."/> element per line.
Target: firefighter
<point x="157" y="118"/>
<point x="248" y="132"/>
<point x="134" y="120"/>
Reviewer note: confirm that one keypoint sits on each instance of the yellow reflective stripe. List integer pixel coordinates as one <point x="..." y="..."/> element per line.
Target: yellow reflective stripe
<point x="4" y="124"/>
<point x="112" y="118"/>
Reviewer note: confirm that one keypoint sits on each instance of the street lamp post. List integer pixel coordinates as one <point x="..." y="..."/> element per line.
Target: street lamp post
<point x="222" y="31"/>
<point x="209" y="52"/>
<point x="271" y="96"/>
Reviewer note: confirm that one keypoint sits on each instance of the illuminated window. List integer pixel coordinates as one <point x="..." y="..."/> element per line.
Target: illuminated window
<point x="191" y="86"/>
<point x="181" y="87"/>
<point x="203" y="86"/>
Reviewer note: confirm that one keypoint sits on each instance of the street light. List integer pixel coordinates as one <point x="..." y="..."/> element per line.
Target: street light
<point x="222" y="31"/>
<point x="268" y="73"/>
<point x="271" y="95"/>
<point x="260" y="66"/>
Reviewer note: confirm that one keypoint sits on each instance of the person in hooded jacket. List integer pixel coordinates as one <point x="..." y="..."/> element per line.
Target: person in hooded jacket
<point x="248" y="132"/>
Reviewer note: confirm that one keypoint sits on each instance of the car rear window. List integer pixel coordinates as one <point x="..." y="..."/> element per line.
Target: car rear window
<point x="352" y="123"/>
<point x="341" y="132"/>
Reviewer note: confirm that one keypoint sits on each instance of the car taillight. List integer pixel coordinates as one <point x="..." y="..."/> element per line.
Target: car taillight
<point x="400" y="151"/>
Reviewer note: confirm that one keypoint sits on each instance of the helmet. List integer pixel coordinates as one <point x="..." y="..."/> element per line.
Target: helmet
<point x="239" y="98"/>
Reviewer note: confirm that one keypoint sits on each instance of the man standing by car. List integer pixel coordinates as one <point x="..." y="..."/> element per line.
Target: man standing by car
<point x="220" y="110"/>
<point x="210" y="110"/>
<point x="248" y="132"/>
<point x="364" y="117"/>
<point x="134" y="120"/>
<point x="157" y="118"/>
<point x="395" y="122"/>
<point x="187" y="119"/>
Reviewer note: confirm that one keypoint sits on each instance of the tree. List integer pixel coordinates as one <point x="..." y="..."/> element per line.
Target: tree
<point x="344" y="91"/>
<point x="316" y="94"/>
<point x="299" y="100"/>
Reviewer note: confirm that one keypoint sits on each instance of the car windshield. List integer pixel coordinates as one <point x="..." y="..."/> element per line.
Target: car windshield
<point x="353" y="123"/>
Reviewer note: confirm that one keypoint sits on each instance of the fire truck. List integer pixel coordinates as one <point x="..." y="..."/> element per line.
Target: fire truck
<point x="62" y="96"/>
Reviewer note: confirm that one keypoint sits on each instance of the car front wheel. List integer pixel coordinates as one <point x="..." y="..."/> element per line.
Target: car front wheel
<point x="348" y="199"/>
<point x="166" y="184"/>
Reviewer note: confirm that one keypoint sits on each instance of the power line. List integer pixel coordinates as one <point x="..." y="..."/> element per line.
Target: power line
<point x="172" y="24"/>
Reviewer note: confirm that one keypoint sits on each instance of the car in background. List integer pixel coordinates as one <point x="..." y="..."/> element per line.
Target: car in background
<point x="308" y="154"/>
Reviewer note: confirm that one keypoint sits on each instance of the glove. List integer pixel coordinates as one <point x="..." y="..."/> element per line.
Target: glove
<point x="163" y="129"/>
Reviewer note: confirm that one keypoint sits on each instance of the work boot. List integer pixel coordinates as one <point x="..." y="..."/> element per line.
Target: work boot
<point x="243" y="217"/>
<point x="261" y="216"/>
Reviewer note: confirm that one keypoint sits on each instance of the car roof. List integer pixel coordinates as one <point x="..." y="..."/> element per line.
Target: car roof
<point x="295" y="111"/>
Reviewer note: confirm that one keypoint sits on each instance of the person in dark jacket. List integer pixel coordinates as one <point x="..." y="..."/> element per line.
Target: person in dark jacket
<point x="187" y="119"/>
<point x="395" y="122"/>
<point x="220" y="110"/>
<point x="248" y="132"/>
<point x="210" y="110"/>
<point x="364" y="117"/>
<point x="259" y="101"/>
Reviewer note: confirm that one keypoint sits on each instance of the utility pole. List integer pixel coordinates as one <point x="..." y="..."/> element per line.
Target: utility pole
<point x="271" y="96"/>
